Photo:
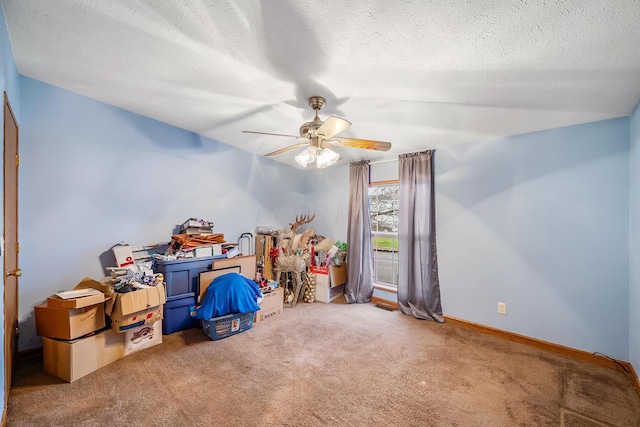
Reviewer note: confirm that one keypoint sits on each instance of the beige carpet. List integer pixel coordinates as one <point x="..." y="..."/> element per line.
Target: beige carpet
<point x="336" y="365"/>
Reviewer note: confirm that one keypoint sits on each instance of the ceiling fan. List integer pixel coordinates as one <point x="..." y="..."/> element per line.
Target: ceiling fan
<point x="320" y="139"/>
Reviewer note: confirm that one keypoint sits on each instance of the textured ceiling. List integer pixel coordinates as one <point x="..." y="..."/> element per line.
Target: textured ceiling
<point x="419" y="74"/>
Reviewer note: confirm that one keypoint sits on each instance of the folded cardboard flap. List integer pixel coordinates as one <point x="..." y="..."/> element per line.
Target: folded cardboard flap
<point x="78" y="302"/>
<point x="105" y="288"/>
<point x="83" y="301"/>
<point x="338" y="274"/>
<point x="94" y="284"/>
<point x="141" y="299"/>
<point x="78" y="293"/>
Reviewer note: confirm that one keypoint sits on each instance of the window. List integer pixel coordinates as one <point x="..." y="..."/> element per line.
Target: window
<point x="383" y="204"/>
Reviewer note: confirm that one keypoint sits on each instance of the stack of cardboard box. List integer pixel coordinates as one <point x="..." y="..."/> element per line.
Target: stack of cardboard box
<point x="77" y="337"/>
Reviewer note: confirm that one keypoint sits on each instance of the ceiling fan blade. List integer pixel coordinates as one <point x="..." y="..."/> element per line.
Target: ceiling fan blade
<point x="268" y="133"/>
<point x="362" y="143"/>
<point x="285" y="149"/>
<point x="332" y="126"/>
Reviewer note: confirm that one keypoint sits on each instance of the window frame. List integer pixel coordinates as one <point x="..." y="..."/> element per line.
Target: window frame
<point x="385" y="286"/>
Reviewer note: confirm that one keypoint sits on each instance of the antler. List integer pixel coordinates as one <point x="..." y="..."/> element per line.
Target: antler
<point x="303" y="219"/>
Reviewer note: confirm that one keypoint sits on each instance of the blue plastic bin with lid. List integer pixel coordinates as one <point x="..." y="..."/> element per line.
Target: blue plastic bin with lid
<point x="182" y="276"/>
<point x="177" y="314"/>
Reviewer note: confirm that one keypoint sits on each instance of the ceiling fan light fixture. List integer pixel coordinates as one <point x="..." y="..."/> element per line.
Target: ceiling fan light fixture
<point x="326" y="157"/>
<point x="319" y="136"/>
<point x="306" y="157"/>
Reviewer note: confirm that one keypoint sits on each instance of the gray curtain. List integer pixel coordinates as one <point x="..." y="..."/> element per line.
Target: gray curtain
<point x="359" y="287"/>
<point x="418" y="284"/>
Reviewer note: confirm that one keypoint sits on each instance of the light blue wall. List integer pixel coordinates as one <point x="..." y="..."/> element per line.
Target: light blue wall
<point x="539" y="222"/>
<point x="634" y="243"/>
<point x="328" y="197"/>
<point x="93" y="175"/>
<point x="8" y="83"/>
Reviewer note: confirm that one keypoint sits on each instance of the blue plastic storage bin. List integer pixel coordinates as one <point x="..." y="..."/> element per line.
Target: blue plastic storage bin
<point x="182" y="276"/>
<point x="217" y="328"/>
<point x="177" y="314"/>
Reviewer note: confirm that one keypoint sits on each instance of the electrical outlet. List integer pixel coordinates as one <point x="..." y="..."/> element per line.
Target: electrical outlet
<point x="502" y="308"/>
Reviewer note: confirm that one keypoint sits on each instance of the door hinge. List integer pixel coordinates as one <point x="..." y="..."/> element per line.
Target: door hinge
<point x="17" y="159"/>
<point x="17" y="332"/>
<point x="17" y="247"/>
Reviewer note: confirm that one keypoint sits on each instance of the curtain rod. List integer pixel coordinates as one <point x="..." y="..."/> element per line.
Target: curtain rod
<point x="383" y="161"/>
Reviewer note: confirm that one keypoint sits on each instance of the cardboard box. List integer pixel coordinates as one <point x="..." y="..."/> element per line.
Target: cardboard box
<point x="203" y="251"/>
<point x="198" y="224"/>
<point x="70" y="360"/>
<point x="68" y="323"/>
<point x="330" y="276"/>
<point x="324" y="293"/>
<point x="271" y="306"/>
<point x="124" y="255"/>
<point x="338" y="275"/>
<point x="83" y="301"/>
<point x="137" y="308"/>
<point x="209" y="250"/>
<point x="322" y="276"/>
<point x="142" y="337"/>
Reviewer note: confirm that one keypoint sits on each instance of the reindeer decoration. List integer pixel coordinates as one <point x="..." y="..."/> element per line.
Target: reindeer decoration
<point x="288" y="261"/>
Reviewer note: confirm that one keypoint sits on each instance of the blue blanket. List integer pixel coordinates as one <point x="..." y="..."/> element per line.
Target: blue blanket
<point x="228" y="294"/>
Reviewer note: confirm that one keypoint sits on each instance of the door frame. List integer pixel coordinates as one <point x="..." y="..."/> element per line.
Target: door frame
<point x="10" y="320"/>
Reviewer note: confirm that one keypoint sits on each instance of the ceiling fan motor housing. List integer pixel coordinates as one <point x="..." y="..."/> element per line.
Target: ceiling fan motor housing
<point x="320" y="136"/>
<point x="315" y="102"/>
<point x="310" y="126"/>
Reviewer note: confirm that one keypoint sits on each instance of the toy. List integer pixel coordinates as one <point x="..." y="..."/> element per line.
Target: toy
<point x="264" y="286"/>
